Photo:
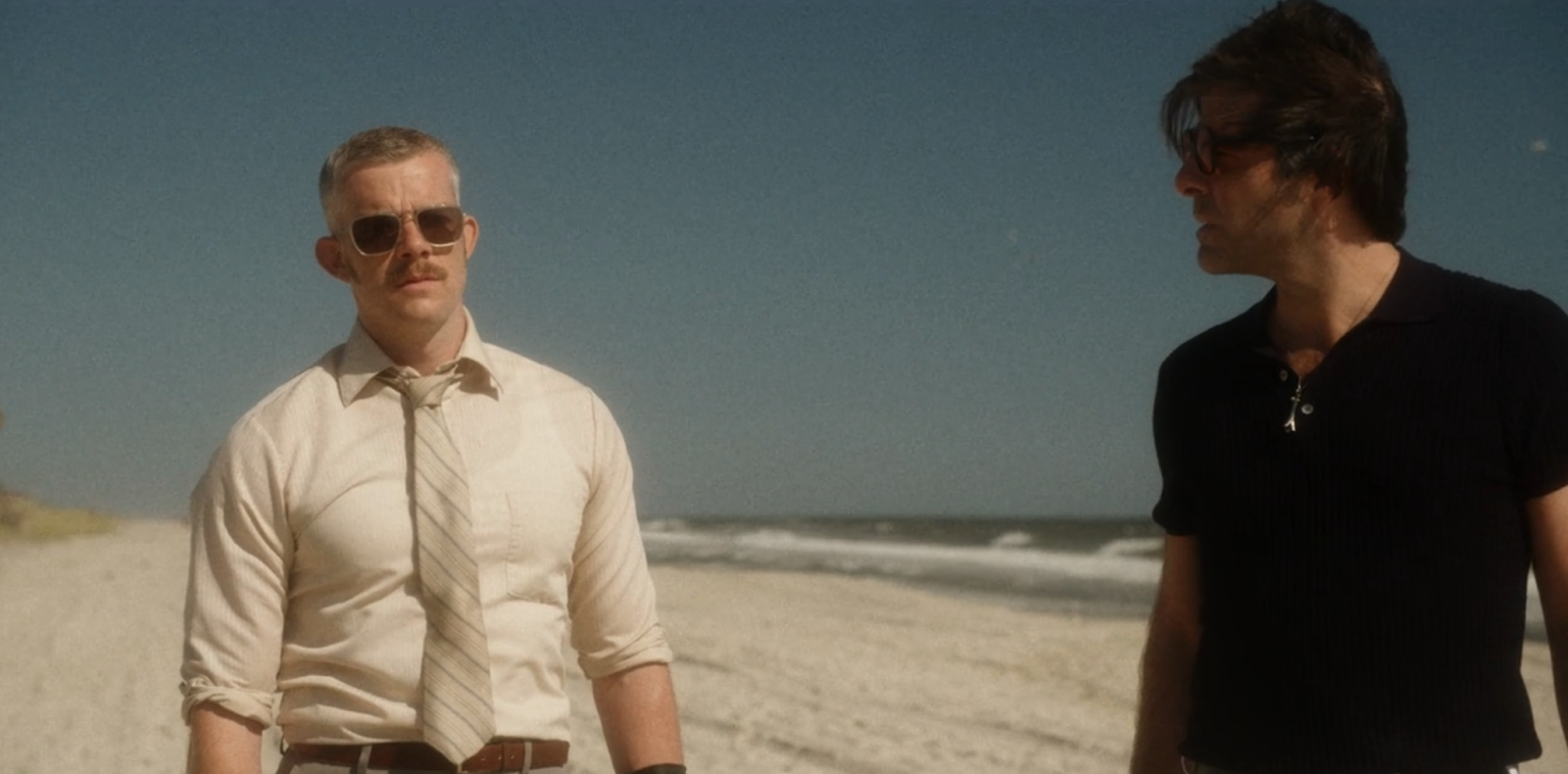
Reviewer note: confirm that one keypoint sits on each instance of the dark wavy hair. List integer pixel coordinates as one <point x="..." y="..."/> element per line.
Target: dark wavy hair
<point x="1326" y="99"/>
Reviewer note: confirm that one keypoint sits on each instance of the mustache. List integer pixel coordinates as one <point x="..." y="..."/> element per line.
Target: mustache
<point x="419" y="271"/>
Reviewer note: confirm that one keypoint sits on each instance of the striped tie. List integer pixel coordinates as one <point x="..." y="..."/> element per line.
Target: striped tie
<point x="459" y="716"/>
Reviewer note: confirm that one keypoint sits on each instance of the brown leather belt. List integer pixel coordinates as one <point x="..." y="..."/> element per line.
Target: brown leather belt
<point x="506" y="755"/>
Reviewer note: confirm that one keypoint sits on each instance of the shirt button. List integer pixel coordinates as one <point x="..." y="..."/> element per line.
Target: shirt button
<point x="1283" y="374"/>
<point x="1306" y="408"/>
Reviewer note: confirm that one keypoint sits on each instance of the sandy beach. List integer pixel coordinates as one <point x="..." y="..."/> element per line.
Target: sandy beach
<point x="778" y="671"/>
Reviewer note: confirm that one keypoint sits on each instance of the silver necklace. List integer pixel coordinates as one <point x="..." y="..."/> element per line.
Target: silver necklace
<point x="1361" y="315"/>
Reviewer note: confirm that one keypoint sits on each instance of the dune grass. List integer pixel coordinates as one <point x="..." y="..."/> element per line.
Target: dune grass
<point x="22" y="518"/>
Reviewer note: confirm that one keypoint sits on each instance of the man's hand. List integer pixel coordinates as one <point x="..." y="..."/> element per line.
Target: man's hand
<point x="1549" y="548"/>
<point x="637" y="710"/>
<point x="223" y="742"/>
<point x="1165" y="693"/>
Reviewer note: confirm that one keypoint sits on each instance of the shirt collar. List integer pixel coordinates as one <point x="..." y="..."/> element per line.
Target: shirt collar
<point x="1414" y="294"/>
<point x="362" y="361"/>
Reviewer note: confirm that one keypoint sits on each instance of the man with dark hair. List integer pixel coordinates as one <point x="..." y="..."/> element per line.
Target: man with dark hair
<point x="1360" y="470"/>
<point x="389" y="549"/>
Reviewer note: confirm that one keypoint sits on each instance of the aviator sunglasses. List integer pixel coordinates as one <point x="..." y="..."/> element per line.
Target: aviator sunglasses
<point x="378" y="234"/>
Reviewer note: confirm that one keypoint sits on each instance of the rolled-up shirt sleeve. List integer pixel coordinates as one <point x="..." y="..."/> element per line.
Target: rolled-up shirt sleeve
<point x="236" y="596"/>
<point x="614" y="622"/>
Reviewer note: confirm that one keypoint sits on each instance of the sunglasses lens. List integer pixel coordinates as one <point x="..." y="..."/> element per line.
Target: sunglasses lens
<point x="376" y="234"/>
<point x="441" y="226"/>
<point x="1196" y="145"/>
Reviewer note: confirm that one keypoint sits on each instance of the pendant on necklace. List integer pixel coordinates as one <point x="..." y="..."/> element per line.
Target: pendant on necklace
<point x="1295" y="402"/>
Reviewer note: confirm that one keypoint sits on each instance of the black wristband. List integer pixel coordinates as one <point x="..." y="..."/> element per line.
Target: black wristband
<point x="662" y="768"/>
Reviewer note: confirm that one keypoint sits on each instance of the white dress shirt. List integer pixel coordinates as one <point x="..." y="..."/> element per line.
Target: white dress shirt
<point x="303" y="607"/>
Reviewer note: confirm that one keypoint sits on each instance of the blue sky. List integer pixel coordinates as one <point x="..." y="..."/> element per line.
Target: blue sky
<point x="851" y="257"/>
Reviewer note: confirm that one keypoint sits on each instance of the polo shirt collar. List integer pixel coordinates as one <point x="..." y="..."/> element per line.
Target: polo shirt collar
<point x="1414" y="295"/>
<point x="362" y="361"/>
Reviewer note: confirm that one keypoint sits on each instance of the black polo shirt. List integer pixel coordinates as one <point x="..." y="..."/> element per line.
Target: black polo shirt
<point x="1363" y="575"/>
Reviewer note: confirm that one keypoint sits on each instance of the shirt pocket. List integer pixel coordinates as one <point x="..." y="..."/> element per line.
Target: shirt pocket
<point x="543" y="538"/>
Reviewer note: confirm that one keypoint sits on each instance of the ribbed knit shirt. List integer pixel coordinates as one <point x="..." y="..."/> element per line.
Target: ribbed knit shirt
<point x="304" y="606"/>
<point x="1363" y="578"/>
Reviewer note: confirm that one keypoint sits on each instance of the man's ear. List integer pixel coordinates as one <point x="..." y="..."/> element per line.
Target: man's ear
<point x="1333" y="178"/>
<point x="329" y="254"/>
<point x="470" y="236"/>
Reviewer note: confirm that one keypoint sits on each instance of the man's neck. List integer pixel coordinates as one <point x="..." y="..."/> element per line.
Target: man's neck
<point x="422" y="350"/>
<point x="1328" y="294"/>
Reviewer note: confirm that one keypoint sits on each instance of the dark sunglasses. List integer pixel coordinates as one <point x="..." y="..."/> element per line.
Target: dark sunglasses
<point x="1199" y="144"/>
<point x="378" y="234"/>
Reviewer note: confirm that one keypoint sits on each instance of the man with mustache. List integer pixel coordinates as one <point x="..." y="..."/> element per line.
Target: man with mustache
<point x="1359" y="471"/>
<point x="389" y="549"/>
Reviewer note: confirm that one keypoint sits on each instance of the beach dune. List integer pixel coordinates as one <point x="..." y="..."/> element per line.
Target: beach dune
<point x="778" y="671"/>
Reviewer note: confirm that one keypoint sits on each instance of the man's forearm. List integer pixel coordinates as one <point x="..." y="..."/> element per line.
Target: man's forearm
<point x="1548" y="520"/>
<point x="223" y="742"/>
<point x="1165" y="691"/>
<point x="637" y="710"/>
<point x="1163" y="703"/>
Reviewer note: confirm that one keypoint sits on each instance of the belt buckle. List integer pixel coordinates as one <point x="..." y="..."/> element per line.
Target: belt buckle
<point x="504" y="764"/>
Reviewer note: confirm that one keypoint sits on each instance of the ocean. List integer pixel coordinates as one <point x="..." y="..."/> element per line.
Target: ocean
<point x="1088" y="566"/>
<point x="1094" y="566"/>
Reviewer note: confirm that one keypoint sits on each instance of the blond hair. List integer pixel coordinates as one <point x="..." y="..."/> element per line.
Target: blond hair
<point x="381" y="145"/>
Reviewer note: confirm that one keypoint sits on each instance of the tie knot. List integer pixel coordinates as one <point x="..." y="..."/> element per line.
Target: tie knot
<point x="422" y="391"/>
